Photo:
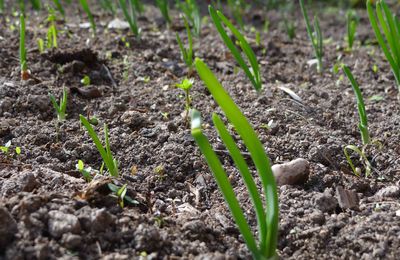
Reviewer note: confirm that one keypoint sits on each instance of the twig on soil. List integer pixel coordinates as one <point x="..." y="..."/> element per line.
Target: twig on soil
<point x="109" y="76"/>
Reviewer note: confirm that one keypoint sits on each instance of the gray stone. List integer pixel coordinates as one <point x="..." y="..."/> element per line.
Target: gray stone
<point x="295" y="172"/>
<point x="61" y="223"/>
<point x="8" y="228"/>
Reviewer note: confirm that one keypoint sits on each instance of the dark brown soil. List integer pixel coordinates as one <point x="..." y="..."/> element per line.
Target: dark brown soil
<point x="48" y="211"/>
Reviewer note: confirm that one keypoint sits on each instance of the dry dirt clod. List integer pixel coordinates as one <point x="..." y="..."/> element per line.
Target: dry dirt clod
<point x="325" y="202"/>
<point x="292" y="173"/>
<point x="8" y="228"/>
<point x="389" y="192"/>
<point x="60" y="223"/>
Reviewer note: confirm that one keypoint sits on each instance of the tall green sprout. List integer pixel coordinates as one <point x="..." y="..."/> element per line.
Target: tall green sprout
<point x="86" y="8"/>
<point x="22" y="49"/>
<point x="267" y="219"/>
<point x="315" y="36"/>
<point x="351" y="24"/>
<point x="187" y="54"/>
<point x="363" y="126"/>
<point x="390" y="28"/>
<point x="1" y="6"/>
<point x="254" y="73"/>
<point x="105" y="152"/>
<point x="130" y="16"/>
<point x="59" y="7"/>
<point x="192" y="12"/>
<point x="164" y="9"/>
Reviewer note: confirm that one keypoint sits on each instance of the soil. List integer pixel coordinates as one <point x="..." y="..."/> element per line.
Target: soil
<point x="48" y="210"/>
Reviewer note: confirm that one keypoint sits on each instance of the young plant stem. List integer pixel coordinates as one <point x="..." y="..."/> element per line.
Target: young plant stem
<point x="22" y="50"/>
<point x="315" y="37"/>
<point x="363" y="125"/>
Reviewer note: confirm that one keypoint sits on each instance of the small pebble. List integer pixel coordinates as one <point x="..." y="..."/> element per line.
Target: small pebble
<point x="295" y="172"/>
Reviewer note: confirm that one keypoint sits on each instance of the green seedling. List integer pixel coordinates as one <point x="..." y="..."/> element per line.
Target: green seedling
<point x="120" y="194"/>
<point x="52" y="31"/>
<point x="62" y="107"/>
<point x="105" y="152"/>
<point x="315" y="36"/>
<point x="290" y="28"/>
<point x="86" y="8"/>
<point x="186" y="85"/>
<point x="130" y="16"/>
<point x="60" y="110"/>
<point x="6" y="149"/>
<point x="352" y="21"/>
<point x="137" y="4"/>
<point x="59" y="7"/>
<point x="236" y="8"/>
<point x="2" y="6"/>
<point x="254" y="73"/>
<point x="86" y="80"/>
<point x="36" y="4"/>
<point x="25" y="74"/>
<point x="187" y="54"/>
<point x="267" y="218"/>
<point x="108" y="5"/>
<point x="192" y="12"/>
<point x="86" y="172"/>
<point x="164" y="9"/>
<point x="40" y="44"/>
<point x="390" y="28"/>
<point x="363" y="126"/>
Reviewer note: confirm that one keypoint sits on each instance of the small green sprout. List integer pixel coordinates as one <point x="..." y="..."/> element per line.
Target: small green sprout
<point x="6" y="149"/>
<point x="25" y="74"/>
<point x="52" y="31"/>
<point x="60" y="110"/>
<point x="187" y="54"/>
<point x="130" y="16"/>
<point x="290" y="28"/>
<point x="186" y="85"/>
<point x="363" y="126"/>
<point x="1" y="6"/>
<point x="59" y="7"/>
<point x="315" y="36"/>
<point x="352" y="23"/>
<point x="164" y="9"/>
<point x="192" y="12"/>
<point x="86" y="172"/>
<point x="86" y="80"/>
<point x="120" y="194"/>
<point x="137" y="4"/>
<point x="86" y="8"/>
<point x="390" y="25"/>
<point x="105" y="152"/>
<point x="254" y="73"/>
<point x="236" y="8"/>
<point x="62" y="107"/>
<point x="40" y="44"/>
<point x="267" y="218"/>
<point x="108" y="5"/>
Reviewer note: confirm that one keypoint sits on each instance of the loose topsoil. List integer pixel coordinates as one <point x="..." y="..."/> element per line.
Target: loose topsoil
<point x="48" y="211"/>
